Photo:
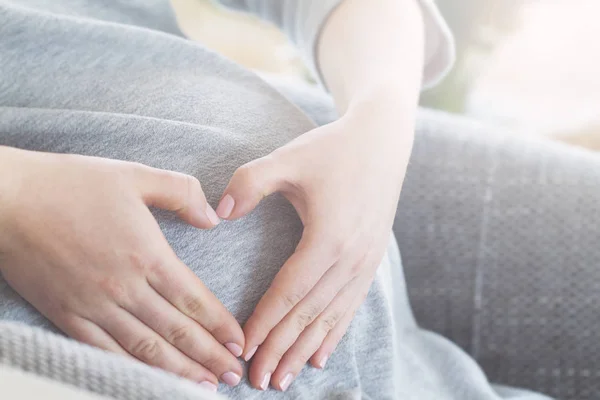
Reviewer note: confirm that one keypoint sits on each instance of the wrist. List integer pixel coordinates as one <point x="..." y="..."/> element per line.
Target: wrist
<point x="385" y="98"/>
<point x="385" y="127"/>
<point x="391" y="112"/>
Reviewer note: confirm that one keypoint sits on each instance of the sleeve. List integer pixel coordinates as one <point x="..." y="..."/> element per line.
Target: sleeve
<point x="302" y="21"/>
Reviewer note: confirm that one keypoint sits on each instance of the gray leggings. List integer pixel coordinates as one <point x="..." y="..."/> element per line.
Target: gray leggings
<point x="499" y="238"/>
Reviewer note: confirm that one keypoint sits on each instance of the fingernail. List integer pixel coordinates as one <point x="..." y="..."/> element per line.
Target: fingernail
<point x="323" y="361"/>
<point x="234" y="349"/>
<point x="230" y="378"/>
<point x="208" y="386"/>
<point x="265" y="382"/>
<point x="212" y="215"/>
<point x="225" y="206"/>
<point x="251" y="353"/>
<point x="285" y="382"/>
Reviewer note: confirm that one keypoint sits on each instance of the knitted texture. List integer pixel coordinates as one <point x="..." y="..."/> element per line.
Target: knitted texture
<point x="499" y="239"/>
<point x="49" y="355"/>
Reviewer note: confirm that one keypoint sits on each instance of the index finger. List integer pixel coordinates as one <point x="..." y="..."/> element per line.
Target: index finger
<point x="297" y="277"/>
<point x="174" y="191"/>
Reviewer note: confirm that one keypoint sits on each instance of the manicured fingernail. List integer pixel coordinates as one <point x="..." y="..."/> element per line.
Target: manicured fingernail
<point x="208" y="386"/>
<point x="265" y="382"/>
<point x="234" y="349"/>
<point x="230" y="378"/>
<point x="212" y="215"/>
<point x="285" y="382"/>
<point x="323" y="361"/>
<point x="251" y="353"/>
<point x="225" y="206"/>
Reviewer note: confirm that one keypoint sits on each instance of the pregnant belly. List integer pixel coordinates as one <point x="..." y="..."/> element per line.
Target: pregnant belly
<point x="237" y="260"/>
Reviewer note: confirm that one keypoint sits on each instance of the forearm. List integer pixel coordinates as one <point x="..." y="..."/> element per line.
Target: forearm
<point x="373" y="51"/>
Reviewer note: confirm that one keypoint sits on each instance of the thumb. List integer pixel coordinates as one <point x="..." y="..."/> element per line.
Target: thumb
<point x="247" y="187"/>
<point x="174" y="191"/>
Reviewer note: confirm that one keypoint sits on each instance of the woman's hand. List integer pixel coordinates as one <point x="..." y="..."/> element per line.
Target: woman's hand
<point x="78" y="241"/>
<point x="344" y="180"/>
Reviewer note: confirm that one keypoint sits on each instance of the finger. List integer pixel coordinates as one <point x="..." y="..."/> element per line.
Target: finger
<point x="337" y="316"/>
<point x="325" y="350"/>
<point x="333" y="338"/>
<point x="185" y="334"/>
<point x="249" y="184"/>
<point x="301" y="317"/>
<point x="292" y="283"/>
<point x="147" y="346"/>
<point x="85" y="331"/>
<point x="176" y="192"/>
<point x="186" y="292"/>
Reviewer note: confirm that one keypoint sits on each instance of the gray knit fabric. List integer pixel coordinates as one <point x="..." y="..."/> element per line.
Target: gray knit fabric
<point x="42" y="353"/>
<point x="499" y="238"/>
<point x="73" y="83"/>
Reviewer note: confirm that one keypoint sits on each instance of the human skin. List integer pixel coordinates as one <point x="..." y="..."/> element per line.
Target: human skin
<point x="371" y="59"/>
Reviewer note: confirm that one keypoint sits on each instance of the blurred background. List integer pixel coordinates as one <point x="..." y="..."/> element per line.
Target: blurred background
<point x="530" y="65"/>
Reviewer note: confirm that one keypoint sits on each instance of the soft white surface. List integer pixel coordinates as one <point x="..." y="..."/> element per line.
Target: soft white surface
<point x="18" y="385"/>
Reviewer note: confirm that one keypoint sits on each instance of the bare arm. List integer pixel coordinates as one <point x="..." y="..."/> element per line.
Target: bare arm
<point x="367" y="52"/>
